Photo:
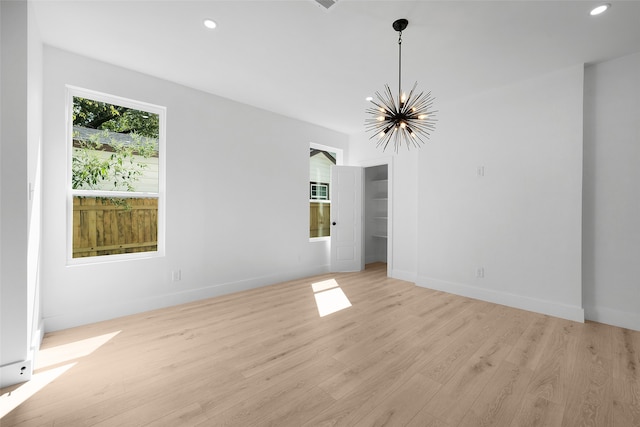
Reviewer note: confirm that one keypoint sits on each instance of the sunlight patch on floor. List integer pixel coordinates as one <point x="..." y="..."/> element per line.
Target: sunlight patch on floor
<point x="329" y="297"/>
<point x="324" y="285"/>
<point x="48" y="357"/>
<point x="74" y="350"/>
<point x="11" y="400"/>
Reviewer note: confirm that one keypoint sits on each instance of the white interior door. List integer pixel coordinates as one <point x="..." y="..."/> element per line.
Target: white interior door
<point x="346" y="219"/>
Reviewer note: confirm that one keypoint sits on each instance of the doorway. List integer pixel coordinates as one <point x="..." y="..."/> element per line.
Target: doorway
<point x="376" y="214"/>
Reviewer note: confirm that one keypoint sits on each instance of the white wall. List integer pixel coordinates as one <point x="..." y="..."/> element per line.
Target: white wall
<point x="611" y="222"/>
<point x="521" y="221"/>
<point x="20" y="118"/>
<point x="13" y="179"/>
<point x="237" y="199"/>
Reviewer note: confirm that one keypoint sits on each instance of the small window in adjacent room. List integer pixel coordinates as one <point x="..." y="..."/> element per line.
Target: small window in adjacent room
<point x="320" y="161"/>
<point x="116" y="177"/>
<point x="319" y="191"/>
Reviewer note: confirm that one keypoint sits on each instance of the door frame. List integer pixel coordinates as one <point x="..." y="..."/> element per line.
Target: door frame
<point x="380" y="162"/>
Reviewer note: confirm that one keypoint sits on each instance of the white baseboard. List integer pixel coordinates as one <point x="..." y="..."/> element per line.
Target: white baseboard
<point x="622" y="319"/>
<point x="15" y="373"/>
<point x="408" y="276"/>
<point x="112" y="311"/>
<point x="550" y="308"/>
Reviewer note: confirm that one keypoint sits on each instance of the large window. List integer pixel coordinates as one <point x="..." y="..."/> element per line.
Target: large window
<point x="320" y="162"/>
<point x="116" y="177"/>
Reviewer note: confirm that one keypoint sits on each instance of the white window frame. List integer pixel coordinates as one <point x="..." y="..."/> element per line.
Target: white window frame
<point x="339" y="162"/>
<point x="73" y="91"/>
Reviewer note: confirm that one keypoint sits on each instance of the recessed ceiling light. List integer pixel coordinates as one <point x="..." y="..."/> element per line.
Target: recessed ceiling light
<point x="210" y="24"/>
<point x="600" y="9"/>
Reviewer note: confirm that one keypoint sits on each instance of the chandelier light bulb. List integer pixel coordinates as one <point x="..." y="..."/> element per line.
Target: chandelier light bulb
<point x="600" y="9"/>
<point x="210" y="23"/>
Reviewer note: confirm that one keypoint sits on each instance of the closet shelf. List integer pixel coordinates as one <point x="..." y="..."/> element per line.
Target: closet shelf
<point x="379" y="236"/>
<point x="380" y="217"/>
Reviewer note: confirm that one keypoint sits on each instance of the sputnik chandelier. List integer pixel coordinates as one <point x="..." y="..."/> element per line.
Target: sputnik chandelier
<point x="409" y="119"/>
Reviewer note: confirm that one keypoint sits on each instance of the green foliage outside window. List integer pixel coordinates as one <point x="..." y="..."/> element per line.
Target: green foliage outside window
<point x="101" y="115"/>
<point x="118" y="171"/>
<point x="102" y="159"/>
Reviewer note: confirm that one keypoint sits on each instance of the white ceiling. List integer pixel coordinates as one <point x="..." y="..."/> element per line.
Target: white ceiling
<point x="297" y="59"/>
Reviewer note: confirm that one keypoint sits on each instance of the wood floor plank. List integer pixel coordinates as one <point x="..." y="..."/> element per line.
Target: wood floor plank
<point x="354" y="375"/>
<point x="400" y="355"/>
<point x="403" y="406"/>
<point x="428" y="337"/>
<point x="454" y="356"/>
<point x="529" y="349"/>
<point x="552" y="380"/>
<point x="626" y="375"/>
<point x="424" y="419"/>
<point x="537" y="411"/>
<point x="380" y="380"/>
<point x="460" y="390"/>
<point x="289" y="405"/>
<point x="497" y="403"/>
<point x="186" y="416"/>
<point x="590" y="401"/>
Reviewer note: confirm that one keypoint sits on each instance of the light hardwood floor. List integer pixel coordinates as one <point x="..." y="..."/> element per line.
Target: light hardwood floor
<point x="401" y="355"/>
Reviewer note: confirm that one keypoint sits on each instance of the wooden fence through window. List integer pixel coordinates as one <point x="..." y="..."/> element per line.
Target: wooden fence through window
<point x="319" y="219"/>
<point x="102" y="227"/>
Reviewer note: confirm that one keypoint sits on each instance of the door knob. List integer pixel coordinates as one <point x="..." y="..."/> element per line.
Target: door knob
<point x="333" y="223"/>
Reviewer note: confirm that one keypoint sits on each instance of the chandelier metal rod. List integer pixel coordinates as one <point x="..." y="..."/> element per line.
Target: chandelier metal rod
<point x="399" y="66"/>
